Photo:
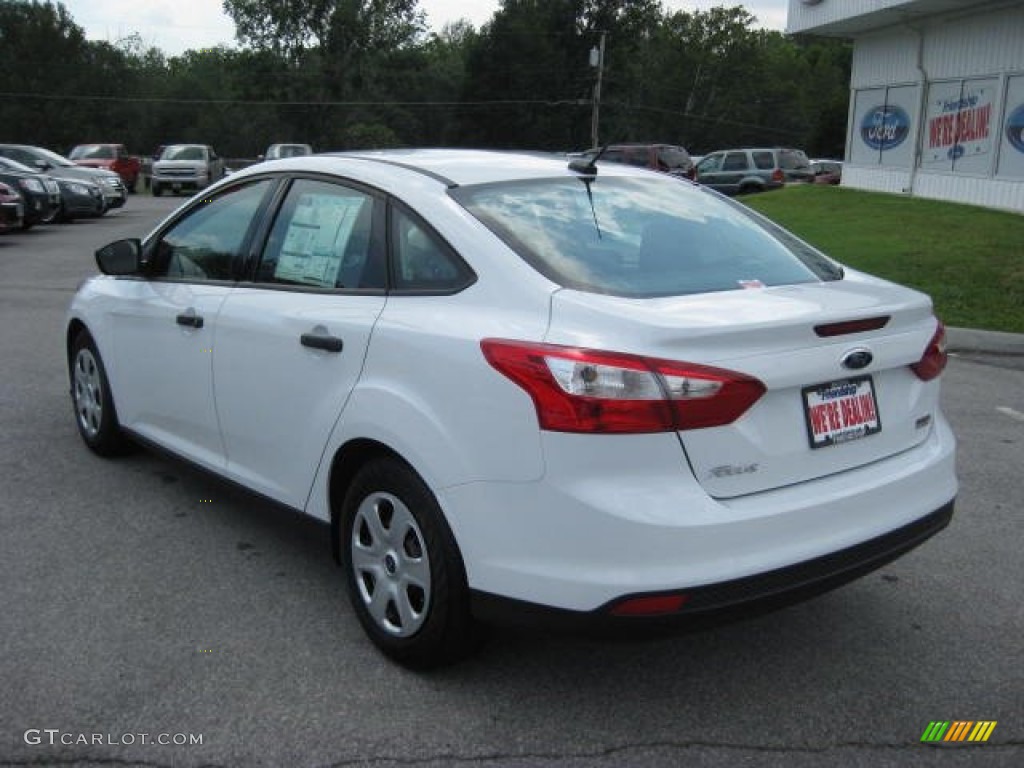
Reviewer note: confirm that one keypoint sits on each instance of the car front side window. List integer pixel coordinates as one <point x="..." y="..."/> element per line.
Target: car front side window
<point x="207" y="242"/>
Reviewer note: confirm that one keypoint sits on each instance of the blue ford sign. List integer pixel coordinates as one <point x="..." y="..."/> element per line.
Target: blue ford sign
<point x="1015" y="128"/>
<point x="885" y="127"/>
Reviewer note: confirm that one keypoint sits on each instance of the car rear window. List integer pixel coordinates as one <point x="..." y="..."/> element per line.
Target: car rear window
<point x="764" y="160"/>
<point x="641" y="237"/>
<point x="793" y="161"/>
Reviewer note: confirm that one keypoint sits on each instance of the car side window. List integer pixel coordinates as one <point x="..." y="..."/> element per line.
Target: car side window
<point x="764" y="160"/>
<point x="735" y="161"/>
<point x="207" y="242"/>
<point x="710" y="164"/>
<point x="323" y="238"/>
<point x="637" y="156"/>
<point x="422" y="262"/>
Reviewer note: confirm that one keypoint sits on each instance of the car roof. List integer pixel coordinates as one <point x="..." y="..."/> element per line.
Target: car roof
<point x="455" y="167"/>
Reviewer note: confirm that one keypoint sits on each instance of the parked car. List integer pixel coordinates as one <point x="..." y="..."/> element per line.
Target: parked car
<point x="277" y="151"/>
<point x="827" y="171"/>
<point x="78" y="197"/>
<point x="113" y="157"/>
<point x="519" y="389"/>
<point x="667" y="158"/>
<point x="186" y="167"/>
<point x="45" y="161"/>
<point x="12" y="209"/>
<point x="745" y="171"/>
<point x="40" y="194"/>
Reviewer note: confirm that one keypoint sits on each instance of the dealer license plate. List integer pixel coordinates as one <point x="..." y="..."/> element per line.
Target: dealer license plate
<point x="840" y="411"/>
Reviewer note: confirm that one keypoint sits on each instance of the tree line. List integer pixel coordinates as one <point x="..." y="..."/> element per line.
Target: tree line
<point x="355" y="74"/>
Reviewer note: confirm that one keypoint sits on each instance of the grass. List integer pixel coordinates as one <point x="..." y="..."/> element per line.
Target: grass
<point x="969" y="259"/>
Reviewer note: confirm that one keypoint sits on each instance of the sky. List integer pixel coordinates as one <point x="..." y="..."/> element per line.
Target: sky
<point x="175" y="26"/>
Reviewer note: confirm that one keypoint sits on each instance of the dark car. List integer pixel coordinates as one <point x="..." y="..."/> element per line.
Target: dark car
<point x="12" y="210"/>
<point x="78" y="197"/>
<point x="45" y="161"/>
<point x="827" y="171"/>
<point x="667" y="158"/>
<point x="40" y="195"/>
<point x="748" y="170"/>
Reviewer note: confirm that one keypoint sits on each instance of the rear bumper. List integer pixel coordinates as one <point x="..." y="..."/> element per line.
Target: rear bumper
<point x="619" y="518"/>
<point x="711" y="604"/>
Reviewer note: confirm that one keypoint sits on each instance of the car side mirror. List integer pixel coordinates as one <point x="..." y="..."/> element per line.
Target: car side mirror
<point x="122" y="257"/>
<point x="42" y="165"/>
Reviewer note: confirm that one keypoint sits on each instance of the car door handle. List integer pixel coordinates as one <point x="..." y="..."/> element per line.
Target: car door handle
<point x="190" y="319"/>
<point x="324" y="341"/>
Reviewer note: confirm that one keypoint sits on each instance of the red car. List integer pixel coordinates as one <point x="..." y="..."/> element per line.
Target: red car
<point x="827" y="171"/>
<point x="113" y="157"/>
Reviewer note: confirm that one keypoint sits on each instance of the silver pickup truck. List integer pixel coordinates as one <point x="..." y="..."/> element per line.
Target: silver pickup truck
<point x="186" y="167"/>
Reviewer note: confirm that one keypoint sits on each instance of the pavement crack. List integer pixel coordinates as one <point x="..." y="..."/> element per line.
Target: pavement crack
<point x="449" y="758"/>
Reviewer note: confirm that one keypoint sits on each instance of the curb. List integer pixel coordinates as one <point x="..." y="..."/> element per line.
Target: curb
<point x="973" y="341"/>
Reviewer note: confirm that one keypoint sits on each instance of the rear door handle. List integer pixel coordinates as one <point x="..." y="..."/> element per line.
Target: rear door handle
<point x="190" y="319"/>
<point x="319" y="339"/>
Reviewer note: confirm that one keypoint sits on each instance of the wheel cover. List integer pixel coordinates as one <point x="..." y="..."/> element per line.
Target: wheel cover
<point x="88" y="393"/>
<point x="390" y="564"/>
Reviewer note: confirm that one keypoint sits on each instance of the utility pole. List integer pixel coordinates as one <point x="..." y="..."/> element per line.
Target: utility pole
<point x="597" y="60"/>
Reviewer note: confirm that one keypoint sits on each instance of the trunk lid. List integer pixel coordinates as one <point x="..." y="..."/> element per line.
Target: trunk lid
<point x="853" y="416"/>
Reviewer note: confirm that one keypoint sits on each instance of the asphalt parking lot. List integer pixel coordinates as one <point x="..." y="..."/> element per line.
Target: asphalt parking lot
<point x="140" y="596"/>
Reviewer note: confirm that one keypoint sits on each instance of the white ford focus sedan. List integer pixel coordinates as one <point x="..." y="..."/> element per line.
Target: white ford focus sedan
<point x="519" y="389"/>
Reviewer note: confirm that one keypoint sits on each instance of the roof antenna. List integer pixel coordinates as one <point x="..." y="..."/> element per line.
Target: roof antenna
<point x="587" y="164"/>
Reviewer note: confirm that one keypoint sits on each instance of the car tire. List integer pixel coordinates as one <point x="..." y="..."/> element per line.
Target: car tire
<point x="405" y="576"/>
<point x="156" y="190"/>
<point x="93" y="402"/>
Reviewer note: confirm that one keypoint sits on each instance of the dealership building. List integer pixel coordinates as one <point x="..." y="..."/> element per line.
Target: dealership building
<point x="936" y="95"/>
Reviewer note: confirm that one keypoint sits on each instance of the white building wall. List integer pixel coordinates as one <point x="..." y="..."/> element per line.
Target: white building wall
<point x="803" y="16"/>
<point x="975" y="43"/>
<point x="887" y="58"/>
<point x="991" y="193"/>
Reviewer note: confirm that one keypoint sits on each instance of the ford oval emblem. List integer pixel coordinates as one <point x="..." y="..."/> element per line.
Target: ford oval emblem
<point x="1015" y="128"/>
<point x="885" y="127"/>
<point x="857" y="359"/>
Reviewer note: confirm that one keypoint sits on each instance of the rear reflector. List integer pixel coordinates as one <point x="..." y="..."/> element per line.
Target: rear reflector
<point x="586" y="390"/>
<point x="654" y="605"/>
<point x="933" y="361"/>
<point x="851" y="326"/>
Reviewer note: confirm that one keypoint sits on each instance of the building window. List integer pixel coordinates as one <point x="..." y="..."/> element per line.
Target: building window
<point x="960" y="126"/>
<point x="884" y="130"/>
<point x="1011" y="148"/>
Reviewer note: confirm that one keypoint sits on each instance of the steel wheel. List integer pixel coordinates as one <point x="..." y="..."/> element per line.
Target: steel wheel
<point x="405" y="576"/>
<point x="88" y="393"/>
<point x="390" y="564"/>
<point x="95" y="414"/>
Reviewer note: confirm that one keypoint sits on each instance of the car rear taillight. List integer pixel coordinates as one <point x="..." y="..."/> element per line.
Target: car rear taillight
<point x="585" y="390"/>
<point x="778" y="175"/>
<point x="934" y="359"/>
<point x="652" y="605"/>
